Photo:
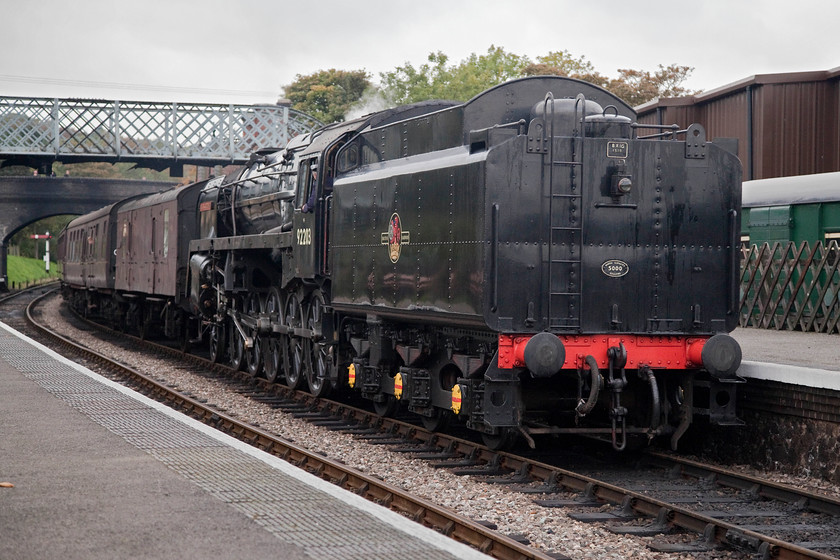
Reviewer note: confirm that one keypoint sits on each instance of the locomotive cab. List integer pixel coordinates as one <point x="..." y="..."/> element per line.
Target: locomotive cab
<point x="308" y="207"/>
<point x="313" y="201"/>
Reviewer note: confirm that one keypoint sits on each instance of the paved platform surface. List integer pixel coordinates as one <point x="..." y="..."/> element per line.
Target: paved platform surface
<point x="794" y="348"/>
<point x="799" y="358"/>
<point x="100" y="472"/>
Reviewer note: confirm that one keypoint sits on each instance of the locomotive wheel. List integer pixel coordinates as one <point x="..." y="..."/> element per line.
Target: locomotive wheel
<point x="505" y="438"/>
<point x="254" y="355"/>
<point x="438" y="422"/>
<point x="217" y="343"/>
<point x="296" y="361"/>
<point x="274" y="347"/>
<point x="317" y="375"/>
<point x="388" y="407"/>
<point x="236" y="349"/>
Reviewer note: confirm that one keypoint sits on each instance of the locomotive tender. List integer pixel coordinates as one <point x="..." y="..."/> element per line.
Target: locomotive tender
<point x="523" y="263"/>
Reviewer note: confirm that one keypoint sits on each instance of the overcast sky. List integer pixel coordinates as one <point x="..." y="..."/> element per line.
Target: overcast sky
<point x="245" y="51"/>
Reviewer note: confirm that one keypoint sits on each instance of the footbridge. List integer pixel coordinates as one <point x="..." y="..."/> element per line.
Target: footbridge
<point x="39" y="131"/>
<point x="36" y="132"/>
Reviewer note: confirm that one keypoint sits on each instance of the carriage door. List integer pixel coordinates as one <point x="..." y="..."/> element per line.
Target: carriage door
<point x="153" y="254"/>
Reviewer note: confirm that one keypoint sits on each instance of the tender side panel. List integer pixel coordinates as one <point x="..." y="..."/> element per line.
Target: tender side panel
<point x="408" y="237"/>
<point x="516" y="230"/>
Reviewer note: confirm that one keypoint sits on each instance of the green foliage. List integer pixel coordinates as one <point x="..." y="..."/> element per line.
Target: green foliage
<point x="21" y="269"/>
<point x="27" y="245"/>
<point x="407" y="84"/>
<point x="436" y="80"/>
<point x="96" y="170"/>
<point x="562" y="63"/>
<point x="328" y="94"/>
<point x="110" y="171"/>
<point x="439" y="80"/>
<point x="15" y="171"/>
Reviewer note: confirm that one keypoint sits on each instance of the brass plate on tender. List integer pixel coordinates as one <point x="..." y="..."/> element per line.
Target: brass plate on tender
<point x="617" y="150"/>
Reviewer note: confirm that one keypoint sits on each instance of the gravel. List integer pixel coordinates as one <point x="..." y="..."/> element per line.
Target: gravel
<point x="549" y="529"/>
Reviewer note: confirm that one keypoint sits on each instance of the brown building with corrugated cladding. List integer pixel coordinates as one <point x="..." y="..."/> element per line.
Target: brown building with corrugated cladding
<point x="786" y="124"/>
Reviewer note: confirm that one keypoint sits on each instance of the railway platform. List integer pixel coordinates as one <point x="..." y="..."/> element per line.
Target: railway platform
<point x="95" y="470"/>
<point x="797" y="358"/>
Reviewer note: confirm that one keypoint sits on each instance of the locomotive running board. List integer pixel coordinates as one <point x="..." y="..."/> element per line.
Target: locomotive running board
<point x="243" y="242"/>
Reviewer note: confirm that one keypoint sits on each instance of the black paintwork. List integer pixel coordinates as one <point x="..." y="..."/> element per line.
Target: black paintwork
<point x="531" y="208"/>
<point x="500" y="234"/>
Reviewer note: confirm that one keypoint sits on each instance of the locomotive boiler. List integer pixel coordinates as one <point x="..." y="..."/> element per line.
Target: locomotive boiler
<point x="527" y="263"/>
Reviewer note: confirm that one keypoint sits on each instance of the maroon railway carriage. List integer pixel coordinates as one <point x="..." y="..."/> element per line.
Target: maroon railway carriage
<point x="130" y="259"/>
<point x="153" y="235"/>
<point x="86" y="248"/>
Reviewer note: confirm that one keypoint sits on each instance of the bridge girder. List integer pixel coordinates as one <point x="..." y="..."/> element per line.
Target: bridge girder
<point x="150" y="134"/>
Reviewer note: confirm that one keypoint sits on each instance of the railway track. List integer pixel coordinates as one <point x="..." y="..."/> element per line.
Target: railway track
<point x="659" y="496"/>
<point x="441" y="519"/>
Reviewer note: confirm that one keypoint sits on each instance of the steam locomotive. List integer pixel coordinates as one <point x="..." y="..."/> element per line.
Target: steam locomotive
<point x="525" y="264"/>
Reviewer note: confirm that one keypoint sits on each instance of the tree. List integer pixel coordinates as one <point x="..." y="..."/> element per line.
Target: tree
<point x="437" y="80"/>
<point x="477" y="73"/>
<point x="327" y="94"/>
<point x="562" y="63"/>
<point x="407" y="84"/>
<point x="93" y="169"/>
<point x="637" y="87"/>
<point x="27" y="246"/>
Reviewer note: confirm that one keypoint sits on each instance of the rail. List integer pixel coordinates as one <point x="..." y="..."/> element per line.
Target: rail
<point x="439" y="518"/>
<point x="734" y="523"/>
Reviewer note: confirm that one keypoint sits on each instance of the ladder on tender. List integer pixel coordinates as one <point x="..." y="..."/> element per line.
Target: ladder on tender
<point x="565" y="182"/>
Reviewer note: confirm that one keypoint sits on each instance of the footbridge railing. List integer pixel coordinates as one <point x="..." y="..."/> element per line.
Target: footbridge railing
<point x="148" y="133"/>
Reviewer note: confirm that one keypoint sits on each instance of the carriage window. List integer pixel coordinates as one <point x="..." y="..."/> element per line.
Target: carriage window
<point x="305" y="181"/>
<point x="127" y="230"/>
<point x="124" y="240"/>
<point x="165" y="233"/>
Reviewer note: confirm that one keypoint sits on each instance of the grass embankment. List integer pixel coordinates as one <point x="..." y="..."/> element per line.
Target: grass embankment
<point x="22" y="271"/>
